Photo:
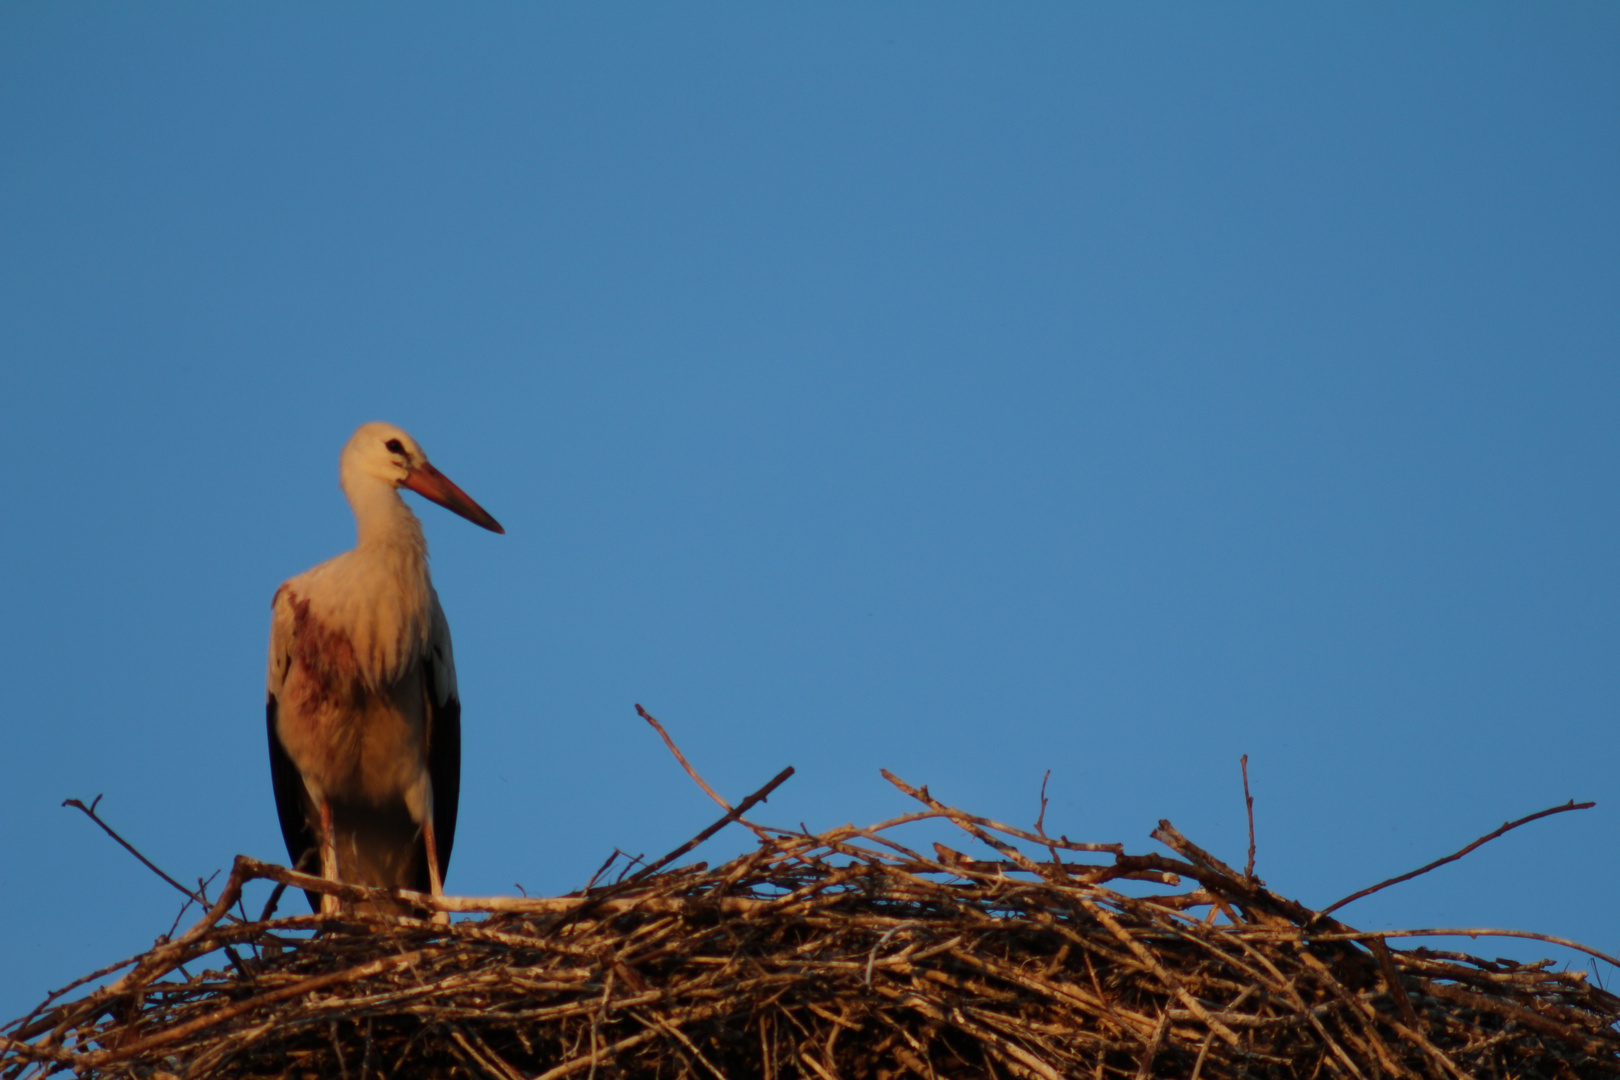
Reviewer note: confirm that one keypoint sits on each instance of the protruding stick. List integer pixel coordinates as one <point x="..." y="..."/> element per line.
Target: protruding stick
<point x="1487" y="838"/>
<point x="1248" y="803"/>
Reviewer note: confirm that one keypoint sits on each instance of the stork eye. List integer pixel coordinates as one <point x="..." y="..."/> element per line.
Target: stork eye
<point x="393" y="446"/>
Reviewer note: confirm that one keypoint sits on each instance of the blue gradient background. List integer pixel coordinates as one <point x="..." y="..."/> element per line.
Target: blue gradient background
<point x="968" y="390"/>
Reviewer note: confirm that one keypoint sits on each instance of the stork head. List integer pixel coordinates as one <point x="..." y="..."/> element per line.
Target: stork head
<point x="379" y="451"/>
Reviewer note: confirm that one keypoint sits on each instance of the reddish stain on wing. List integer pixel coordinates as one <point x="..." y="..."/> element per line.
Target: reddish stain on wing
<point x="326" y="655"/>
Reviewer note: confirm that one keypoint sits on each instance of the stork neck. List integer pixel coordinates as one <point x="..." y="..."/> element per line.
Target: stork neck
<point x="382" y="519"/>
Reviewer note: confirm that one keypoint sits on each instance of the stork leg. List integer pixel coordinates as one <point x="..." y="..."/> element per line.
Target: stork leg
<point x="329" y="858"/>
<point x="435" y="882"/>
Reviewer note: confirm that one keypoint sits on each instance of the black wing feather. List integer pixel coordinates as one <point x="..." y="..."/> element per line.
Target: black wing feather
<point x="292" y="805"/>
<point x="444" y="771"/>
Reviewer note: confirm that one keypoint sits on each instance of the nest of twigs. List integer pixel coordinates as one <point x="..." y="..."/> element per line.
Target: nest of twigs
<point x="840" y="955"/>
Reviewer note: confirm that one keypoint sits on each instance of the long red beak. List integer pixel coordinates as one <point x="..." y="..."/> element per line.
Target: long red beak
<point x="430" y="483"/>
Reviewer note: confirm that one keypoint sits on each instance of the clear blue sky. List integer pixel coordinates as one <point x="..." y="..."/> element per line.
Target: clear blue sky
<point x="971" y="390"/>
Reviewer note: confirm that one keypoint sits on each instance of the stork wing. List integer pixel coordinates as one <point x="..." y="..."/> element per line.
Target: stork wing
<point x="443" y="712"/>
<point x="292" y="798"/>
<point x="303" y="852"/>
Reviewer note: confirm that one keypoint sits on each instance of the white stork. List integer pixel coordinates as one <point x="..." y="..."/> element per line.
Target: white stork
<point x="363" y="715"/>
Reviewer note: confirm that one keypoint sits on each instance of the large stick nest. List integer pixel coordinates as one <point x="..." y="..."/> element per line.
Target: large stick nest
<point x="839" y="955"/>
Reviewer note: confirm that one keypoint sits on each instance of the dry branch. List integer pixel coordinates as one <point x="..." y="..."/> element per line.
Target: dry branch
<point x="1454" y="856"/>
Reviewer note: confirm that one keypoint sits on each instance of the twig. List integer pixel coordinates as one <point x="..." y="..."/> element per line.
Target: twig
<point x="271" y="904"/>
<point x="1487" y="838"/>
<point x="871" y="957"/>
<point x="630" y="862"/>
<point x="202" y="887"/>
<point x="1469" y="932"/>
<point x="680" y="757"/>
<point x="958" y="817"/>
<point x="693" y="773"/>
<point x="90" y="812"/>
<point x="1144" y="1068"/>
<point x="600" y="870"/>
<point x="185" y="907"/>
<point x="1040" y="821"/>
<point x="1248" y="803"/>
<point x="732" y="815"/>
